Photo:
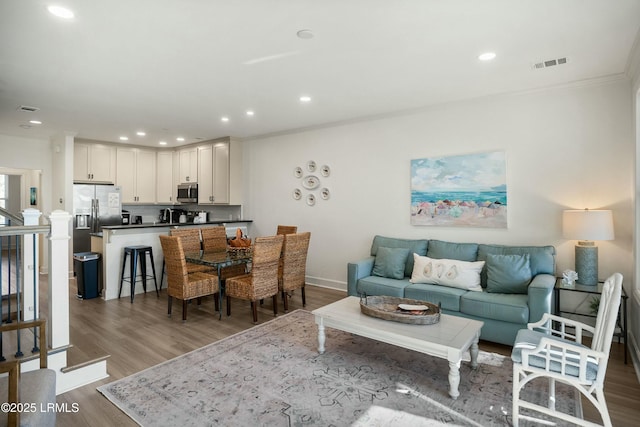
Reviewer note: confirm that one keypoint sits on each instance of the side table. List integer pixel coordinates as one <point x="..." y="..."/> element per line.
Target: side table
<point x="594" y="290"/>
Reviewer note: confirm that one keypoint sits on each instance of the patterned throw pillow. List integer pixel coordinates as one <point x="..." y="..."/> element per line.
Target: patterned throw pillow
<point x="447" y="272"/>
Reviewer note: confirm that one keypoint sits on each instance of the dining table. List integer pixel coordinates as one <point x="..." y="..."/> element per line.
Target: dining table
<point x="219" y="260"/>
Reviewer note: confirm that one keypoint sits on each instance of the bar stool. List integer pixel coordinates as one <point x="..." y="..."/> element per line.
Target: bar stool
<point x="137" y="253"/>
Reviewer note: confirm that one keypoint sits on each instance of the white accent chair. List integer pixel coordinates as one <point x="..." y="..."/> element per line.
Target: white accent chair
<point x="552" y="348"/>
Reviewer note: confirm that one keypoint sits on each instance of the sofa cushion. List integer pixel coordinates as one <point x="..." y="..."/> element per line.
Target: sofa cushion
<point x="541" y="258"/>
<point x="390" y="262"/>
<point x="375" y="285"/>
<point x="527" y="339"/>
<point x="449" y="250"/>
<point x="415" y="246"/>
<point x="511" y="308"/>
<point x="508" y="274"/>
<point x="447" y="272"/>
<point x="448" y="297"/>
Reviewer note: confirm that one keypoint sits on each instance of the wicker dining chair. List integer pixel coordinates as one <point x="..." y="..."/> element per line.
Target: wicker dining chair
<point x="262" y="282"/>
<point x="287" y="229"/>
<point x="293" y="266"/>
<point x="183" y="284"/>
<point x="190" y="238"/>
<point x="284" y="230"/>
<point x="190" y="243"/>
<point x="215" y="239"/>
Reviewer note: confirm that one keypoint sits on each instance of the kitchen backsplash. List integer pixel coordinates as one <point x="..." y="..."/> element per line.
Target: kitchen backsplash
<point x="151" y="213"/>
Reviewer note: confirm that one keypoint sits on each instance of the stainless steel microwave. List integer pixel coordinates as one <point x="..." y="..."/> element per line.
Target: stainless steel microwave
<point x="188" y="193"/>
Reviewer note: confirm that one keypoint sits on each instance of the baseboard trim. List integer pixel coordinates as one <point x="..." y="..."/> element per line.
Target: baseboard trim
<point x="326" y="283"/>
<point x="634" y="352"/>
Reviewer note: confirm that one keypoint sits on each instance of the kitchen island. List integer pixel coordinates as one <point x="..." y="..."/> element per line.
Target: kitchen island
<point x="116" y="237"/>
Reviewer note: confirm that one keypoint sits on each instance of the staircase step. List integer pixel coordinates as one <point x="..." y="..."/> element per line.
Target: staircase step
<point x="83" y="364"/>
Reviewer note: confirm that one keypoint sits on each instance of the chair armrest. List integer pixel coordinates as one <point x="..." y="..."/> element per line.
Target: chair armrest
<point x="562" y="357"/>
<point x="540" y="296"/>
<point x="557" y="326"/>
<point x="12" y="368"/>
<point x="356" y="271"/>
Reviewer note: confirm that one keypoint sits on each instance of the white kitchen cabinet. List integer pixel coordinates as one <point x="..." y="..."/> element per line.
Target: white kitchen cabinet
<point x="213" y="173"/>
<point x="205" y="175"/>
<point x="221" y="172"/>
<point x="188" y="165"/>
<point x="94" y="163"/>
<point x="136" y="175"/>
<point x="165" y="184"/>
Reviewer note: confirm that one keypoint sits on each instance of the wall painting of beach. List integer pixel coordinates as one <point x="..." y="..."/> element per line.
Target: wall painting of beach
<point x="460" y="191"/>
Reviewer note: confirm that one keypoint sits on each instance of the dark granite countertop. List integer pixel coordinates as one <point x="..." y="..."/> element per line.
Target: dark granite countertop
<point x="166" y="224"/>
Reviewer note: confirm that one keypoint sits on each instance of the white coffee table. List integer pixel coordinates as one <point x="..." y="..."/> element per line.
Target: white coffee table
<point x="448" y="339"/>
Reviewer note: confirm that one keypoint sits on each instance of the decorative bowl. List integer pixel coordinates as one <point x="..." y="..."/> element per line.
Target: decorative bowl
<point x="384" y="307"/>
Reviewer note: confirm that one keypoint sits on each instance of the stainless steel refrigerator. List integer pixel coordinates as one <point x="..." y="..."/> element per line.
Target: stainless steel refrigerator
<point x="93" y="207"/>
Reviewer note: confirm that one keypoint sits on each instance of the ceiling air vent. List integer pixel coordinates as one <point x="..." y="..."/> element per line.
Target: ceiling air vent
<point x="549" y="63"/>
<point x="28" y="109"/>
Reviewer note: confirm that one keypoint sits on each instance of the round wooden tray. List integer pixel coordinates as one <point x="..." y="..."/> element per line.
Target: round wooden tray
<point x="387" y="308"/>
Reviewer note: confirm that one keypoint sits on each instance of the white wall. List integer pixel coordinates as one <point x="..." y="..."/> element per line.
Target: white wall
<point x="567" y="147"/>
<point x="29" y="154"/>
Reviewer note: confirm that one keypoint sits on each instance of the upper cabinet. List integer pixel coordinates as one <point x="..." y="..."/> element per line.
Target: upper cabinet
<point x="188" y="165"/>
<point x="213" y="173"/>
<point x="165" y="184"/>
<point x="205" y="175"/>
<point x="136" y="175"/>
<point x="94" y="163"/>
<point x="148" y="175"/>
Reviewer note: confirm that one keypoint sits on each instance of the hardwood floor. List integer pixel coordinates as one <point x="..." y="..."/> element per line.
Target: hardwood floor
<point x="140" y="335"/>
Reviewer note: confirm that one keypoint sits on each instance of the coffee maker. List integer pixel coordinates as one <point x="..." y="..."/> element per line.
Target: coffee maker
<point x="170" y="216"/>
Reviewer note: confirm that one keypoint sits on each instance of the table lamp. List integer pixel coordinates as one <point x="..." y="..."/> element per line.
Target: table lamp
<point x="586" y="226"/>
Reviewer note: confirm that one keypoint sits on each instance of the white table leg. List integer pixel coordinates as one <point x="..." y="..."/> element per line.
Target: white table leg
<point x="474" y="353"/>
<point x="321" y="337"/>
<point x="454" y="379"/>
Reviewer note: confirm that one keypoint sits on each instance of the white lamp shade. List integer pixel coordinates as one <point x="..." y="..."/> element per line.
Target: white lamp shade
<point x="587" y="224"/>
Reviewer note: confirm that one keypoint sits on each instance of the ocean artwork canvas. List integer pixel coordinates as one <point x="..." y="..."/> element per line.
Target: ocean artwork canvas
<point x="467" y="190"/>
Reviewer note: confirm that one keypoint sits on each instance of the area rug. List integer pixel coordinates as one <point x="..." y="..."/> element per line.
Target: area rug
<point x="273" y="375"/>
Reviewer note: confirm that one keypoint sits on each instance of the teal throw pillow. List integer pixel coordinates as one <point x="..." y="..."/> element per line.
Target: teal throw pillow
<point x="390" y="262"/>
<point x="508" y="274"/>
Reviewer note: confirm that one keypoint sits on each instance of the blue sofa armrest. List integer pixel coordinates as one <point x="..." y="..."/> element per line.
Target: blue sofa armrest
<point x="540" y="296"/>
<point x="356" y="271"/>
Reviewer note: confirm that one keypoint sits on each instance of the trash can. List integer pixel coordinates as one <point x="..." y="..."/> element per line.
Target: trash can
<point x="88" y="274"/>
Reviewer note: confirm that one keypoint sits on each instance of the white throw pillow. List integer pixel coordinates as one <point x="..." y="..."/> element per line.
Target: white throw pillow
<point x="447" y="272"/>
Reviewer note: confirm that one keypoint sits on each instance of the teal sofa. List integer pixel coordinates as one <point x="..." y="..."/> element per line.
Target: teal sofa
<point x="503" y="308"/>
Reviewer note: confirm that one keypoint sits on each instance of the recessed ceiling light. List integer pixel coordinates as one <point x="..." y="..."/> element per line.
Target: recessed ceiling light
<point x="180" y="139"/>
<point x="124" y="138"/>
<point x="487" y="56"/>
<point x="141" y="133"/>
<point x="305" y="34"/>
<point x="224" y="119"/>
<point x="35" y="122"/>
<point x="61" y="12"/>
<point x="162" y="142"/>
<point x="305" y="98"/>
<point x="250" y="113"/>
